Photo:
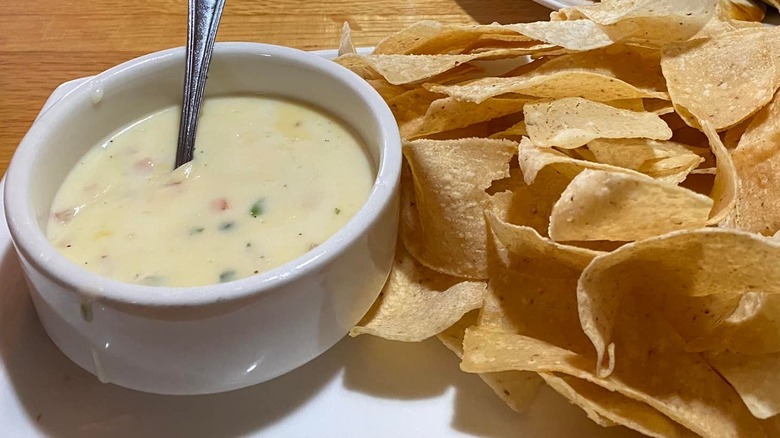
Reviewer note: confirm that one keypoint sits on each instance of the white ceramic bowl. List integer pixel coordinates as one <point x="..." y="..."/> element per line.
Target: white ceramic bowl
<point x="207" y="339"/>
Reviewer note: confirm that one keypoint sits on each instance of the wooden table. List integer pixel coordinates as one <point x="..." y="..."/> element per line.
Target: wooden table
<point x="44" y="43"/>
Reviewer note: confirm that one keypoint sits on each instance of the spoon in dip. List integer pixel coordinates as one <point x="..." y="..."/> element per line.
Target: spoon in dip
<point x="202" y="23"/>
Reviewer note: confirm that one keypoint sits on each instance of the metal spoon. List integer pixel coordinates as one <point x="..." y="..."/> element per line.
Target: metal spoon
<point x="202" y="24"/>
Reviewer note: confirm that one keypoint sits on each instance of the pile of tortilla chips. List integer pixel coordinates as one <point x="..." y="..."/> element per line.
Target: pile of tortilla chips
<point x="589" y="202"/>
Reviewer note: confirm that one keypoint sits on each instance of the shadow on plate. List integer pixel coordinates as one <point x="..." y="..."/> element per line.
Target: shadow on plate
<point x="504" y="11"/>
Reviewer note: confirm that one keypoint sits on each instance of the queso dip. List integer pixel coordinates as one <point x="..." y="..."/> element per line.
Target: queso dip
<point x="271" y="180"/>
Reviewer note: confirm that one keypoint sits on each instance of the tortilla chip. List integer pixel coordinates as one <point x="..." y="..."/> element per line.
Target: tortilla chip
<point x="652" y="22"/>
<point x="417" y="303"/>
<point x="534" y="159"/>
<point x="600" y="75"/>
<point x="634" y="65"/>
<point x="743" y="10"/>
<point x="433" y="38"/>
<point x="556" y="85"/>
<point x="526" y="242"/>
<point x="757" y="162"/>
<point x="517" y="389"/>
<point x="726" y="186"/>
<point x="608" y="408"/>
<point x="692" y="263"/>
<point x="386" y="89"/>
<point x="580" y="35"/>
<point x="632" y="153"/>
<point x="734" y="134"/>
<point x="573" y="122"/>
<point x="658" y="106"/>
<point x="529" y="205"/>
<point x="672" y="170"/>
<point x="449" y="113"/>
<point x="650" y="367"/>
<point x="722" y="80"/>
<point x="755" y="377"/>
<point x="407" y="69"/>
<point x="514" y="132"/>
<point x="358" y="65"/>
<point x="345" y="42"/>
<point x="533" y="296"/>
<point x="412" y="104"/>
<point x="601" y="205"/>
<point x="752" y="327"/>
<point x="444" y="227"/>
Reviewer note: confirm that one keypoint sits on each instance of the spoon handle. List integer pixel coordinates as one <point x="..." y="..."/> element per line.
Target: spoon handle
<point x="202" y="24"/>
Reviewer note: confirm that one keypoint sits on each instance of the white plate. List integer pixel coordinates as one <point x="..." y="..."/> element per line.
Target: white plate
<point x="363" y="387"/>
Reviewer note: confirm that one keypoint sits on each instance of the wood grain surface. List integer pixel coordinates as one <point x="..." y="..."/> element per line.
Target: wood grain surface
<point x="44" y="43"/>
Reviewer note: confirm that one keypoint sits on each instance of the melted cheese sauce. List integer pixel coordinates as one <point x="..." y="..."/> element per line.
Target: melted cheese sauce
<point x="271" y="180"/>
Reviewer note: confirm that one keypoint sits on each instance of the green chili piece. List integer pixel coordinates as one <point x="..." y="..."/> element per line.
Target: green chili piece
<point x="258" y="208"/>
<point x="226" y="276"/>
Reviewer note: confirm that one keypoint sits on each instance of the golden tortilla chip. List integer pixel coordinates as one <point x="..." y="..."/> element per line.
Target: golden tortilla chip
<point x="345" y="42"/>
<point x="757" y="163"/>
<point x="600" y="205"/>
<point x="632" y="153"/>
<point x="733" y="135"/>
<point x="722" y="80"/>
<point x="494" y="41"/>
<point x="555" y="85"/>
<point x="743" y="10"/>
<point x="577" y="35"/>
<point x="386" y="89"/>
<point x="533" y="159"/>
<point x="573" y="122"/>
<point x="672" y="170"/>
<point x="407" y="69"/>
<point x="726" y="186"/>
<point x="358" y="65"/>
<point x="449" y="113"/>
<point x="411" y="104"/>
<point x="653" y="370"/>
<point x="417" y="303"/>
<point x="608" y="408"/>
<point x="666" y="161"/>
<point x="751" y="327"/>
<point x="514" y="132"/>
<point x="528" y="205"/>
<point x="535" y="296"/>
<point x="634" y="65"/>
<point x="433" y="38"/>
<point x="600" y="75"/>
<point x="517" y="389"/>
<point x="653" y="22"/>
<point x="526" y="242"/>
<point x="692" y="263"/>
<point x="444" y="226"/>
<point x="755" y="377"/>
<point x="658" y="106"/>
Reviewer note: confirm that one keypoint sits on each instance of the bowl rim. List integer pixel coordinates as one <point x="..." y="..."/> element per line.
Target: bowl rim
<point x="31" y="242"/>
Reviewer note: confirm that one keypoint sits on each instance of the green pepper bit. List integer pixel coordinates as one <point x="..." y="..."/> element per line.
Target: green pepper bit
<point x="258" y="208"/>
<point x="226" y="276"/>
